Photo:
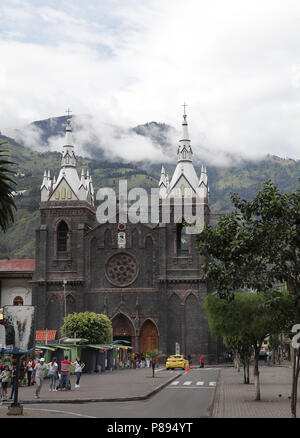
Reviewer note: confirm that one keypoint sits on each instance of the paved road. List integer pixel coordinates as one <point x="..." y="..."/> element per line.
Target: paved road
<point x="189" y="396"/>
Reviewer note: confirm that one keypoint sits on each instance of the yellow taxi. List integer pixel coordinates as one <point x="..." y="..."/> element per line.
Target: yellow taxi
<point x="176" y="361"/>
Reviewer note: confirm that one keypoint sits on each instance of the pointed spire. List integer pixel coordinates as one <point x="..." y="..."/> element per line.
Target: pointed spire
<point x="45" y="180"/>
<point x="184" y="151"/>
<point x="185" y="133"/>
<point x="82" y="180"/>
<point x="203" y="176"/>
<point x="68" y="155"/>
<point x="162" y="180"/>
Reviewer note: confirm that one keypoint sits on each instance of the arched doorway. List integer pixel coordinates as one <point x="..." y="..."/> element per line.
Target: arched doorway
<point x="122" y="328"/>
<point x="149" y="337"/>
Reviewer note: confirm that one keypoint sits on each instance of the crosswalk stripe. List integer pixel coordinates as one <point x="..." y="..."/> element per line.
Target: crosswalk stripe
<point x="175" y="383"/>
<point x="212" y="383"/>
<point x="187" y="383"/>
<point x="200" y="383"/>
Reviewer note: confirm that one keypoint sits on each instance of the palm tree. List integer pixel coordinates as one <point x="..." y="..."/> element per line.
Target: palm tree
<point x="7" y="203"/>
<point x="153" y="355"/>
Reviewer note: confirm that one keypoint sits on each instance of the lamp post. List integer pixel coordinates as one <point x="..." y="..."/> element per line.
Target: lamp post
<point x="65" y="301"/>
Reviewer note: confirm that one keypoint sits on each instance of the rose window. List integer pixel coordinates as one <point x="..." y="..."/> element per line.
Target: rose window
<point x="121" y="269"/>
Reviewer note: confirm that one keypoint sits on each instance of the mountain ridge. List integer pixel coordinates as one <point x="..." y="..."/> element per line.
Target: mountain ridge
<point x="18" y="241"/>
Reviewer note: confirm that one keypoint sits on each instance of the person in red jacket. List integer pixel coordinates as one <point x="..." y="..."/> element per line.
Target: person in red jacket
<point x="65" y="373"/>
<point x="201" y="359"/>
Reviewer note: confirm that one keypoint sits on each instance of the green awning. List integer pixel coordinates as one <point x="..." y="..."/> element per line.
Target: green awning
<point x="44" y="347"/>
<point x="57" y="346"/>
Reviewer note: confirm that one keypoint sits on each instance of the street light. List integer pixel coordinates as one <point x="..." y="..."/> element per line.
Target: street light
<point x="65" y="300"/>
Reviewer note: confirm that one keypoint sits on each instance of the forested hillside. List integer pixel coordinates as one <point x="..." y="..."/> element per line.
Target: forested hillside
<point x="18" y="241"/>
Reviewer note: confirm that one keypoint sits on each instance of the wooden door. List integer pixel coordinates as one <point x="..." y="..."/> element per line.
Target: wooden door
<point x="149" y="337"/>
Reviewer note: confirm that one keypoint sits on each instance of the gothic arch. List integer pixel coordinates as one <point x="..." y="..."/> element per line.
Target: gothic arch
<point x="53" y="313"/>
<point x="174" y="318"/>
<point x="59" y="220"/>
<point x="70" y="304"/>
<point x="123" y="327"/>
<point x="135" y="237"/>
<point x="107" y="238"/>
<point x="148" y="336"/>
<point x="192" y="324"/>
<point x="66" y="235"/>
<point x="188" y="293"/>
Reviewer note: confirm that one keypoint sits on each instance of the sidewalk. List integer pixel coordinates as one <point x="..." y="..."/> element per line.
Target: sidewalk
<point x="231" y="397"/>
<point x="118" y="385"/>
<point x="234" y="399"/>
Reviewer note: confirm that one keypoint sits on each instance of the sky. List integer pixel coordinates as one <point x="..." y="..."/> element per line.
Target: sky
<point x="116" y="63"/>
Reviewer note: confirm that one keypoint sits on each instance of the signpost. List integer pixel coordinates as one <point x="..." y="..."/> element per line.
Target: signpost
<point x="18" y="322"/>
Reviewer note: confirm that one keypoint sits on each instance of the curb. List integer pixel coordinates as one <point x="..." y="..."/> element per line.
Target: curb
<point x="213" y="398"/>
<point x="95" y="400"/>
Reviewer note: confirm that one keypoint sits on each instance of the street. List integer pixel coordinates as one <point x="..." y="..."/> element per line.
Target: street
<point x="188" y="396"/>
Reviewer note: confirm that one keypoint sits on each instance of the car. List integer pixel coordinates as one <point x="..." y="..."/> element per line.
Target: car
<point x="176" y="361"/>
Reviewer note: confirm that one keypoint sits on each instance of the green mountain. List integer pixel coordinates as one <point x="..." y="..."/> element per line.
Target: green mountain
<point x="18" y="241"/>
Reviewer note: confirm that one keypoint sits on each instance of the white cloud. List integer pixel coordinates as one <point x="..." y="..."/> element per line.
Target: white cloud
<point x="128" y="63"/>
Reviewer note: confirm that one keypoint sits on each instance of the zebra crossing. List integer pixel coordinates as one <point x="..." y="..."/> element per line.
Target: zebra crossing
<point x="192" y="384"/>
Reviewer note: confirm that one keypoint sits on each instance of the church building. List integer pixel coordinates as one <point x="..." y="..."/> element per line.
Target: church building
<point x="145" y="277"/>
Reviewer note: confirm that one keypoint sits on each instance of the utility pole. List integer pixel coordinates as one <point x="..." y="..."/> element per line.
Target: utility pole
<point x="65" y="302"/>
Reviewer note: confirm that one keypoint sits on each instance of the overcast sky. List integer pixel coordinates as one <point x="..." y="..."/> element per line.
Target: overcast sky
<point x="126" y="62"/>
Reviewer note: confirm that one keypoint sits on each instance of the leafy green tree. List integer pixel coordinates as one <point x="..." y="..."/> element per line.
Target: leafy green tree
<point x="95" y="327"/>
<point x="7" y="203"/>
<point x="246" y="321"/>
<point x="255" y="247"/>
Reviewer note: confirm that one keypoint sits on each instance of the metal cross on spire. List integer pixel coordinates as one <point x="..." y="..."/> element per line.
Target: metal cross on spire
<point x="184" y="105"/>
<point x="68" y="111"/>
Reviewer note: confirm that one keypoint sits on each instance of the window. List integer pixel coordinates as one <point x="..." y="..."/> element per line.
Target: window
<point x="182" y="237"/>
<point x="62" y="236"/>
<point x="18" y="301"/>
<point x="63" y="193"/>
<point x="69" y="194"/>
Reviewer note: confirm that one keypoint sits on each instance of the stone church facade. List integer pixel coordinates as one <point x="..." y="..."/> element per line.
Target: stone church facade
<point x="145" y="278"/>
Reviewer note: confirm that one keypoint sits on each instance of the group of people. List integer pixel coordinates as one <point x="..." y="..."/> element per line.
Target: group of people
<point x="54" y="372"/>
<point x="36" y="371"/>
<point x="140" y="360"/>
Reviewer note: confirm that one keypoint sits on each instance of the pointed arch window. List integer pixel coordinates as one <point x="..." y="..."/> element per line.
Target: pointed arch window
<point x="62" y="236"/>
<point x="182" y="236"/>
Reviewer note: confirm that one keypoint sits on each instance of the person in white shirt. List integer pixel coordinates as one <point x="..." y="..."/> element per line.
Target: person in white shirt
<point x="79" y="365"/>
<point x="39" y="375"/>
<point x="52" y="373"/>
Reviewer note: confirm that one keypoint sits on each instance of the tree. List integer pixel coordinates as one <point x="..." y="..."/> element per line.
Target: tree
<point x="7" y="203"/>
<point x="95" y="327"/>
<point x="256" y="246"/>
<point x="246" y="321"/>
<point x="153" y="356"/>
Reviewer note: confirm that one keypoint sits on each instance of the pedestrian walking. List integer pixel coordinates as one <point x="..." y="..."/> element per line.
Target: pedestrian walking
<point x="39" y="374"/>
<point x="79" y="365"/>
<point x="29" y="369"/>
<point x="52" y="373"/>
<point x="201" y="360"/>
<point x="65" y="374"/>
<point x="13" y="381"/>
<point x="22" y="370"/>
<point x="132" y="360"/>
<point x="4" y="376"/>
